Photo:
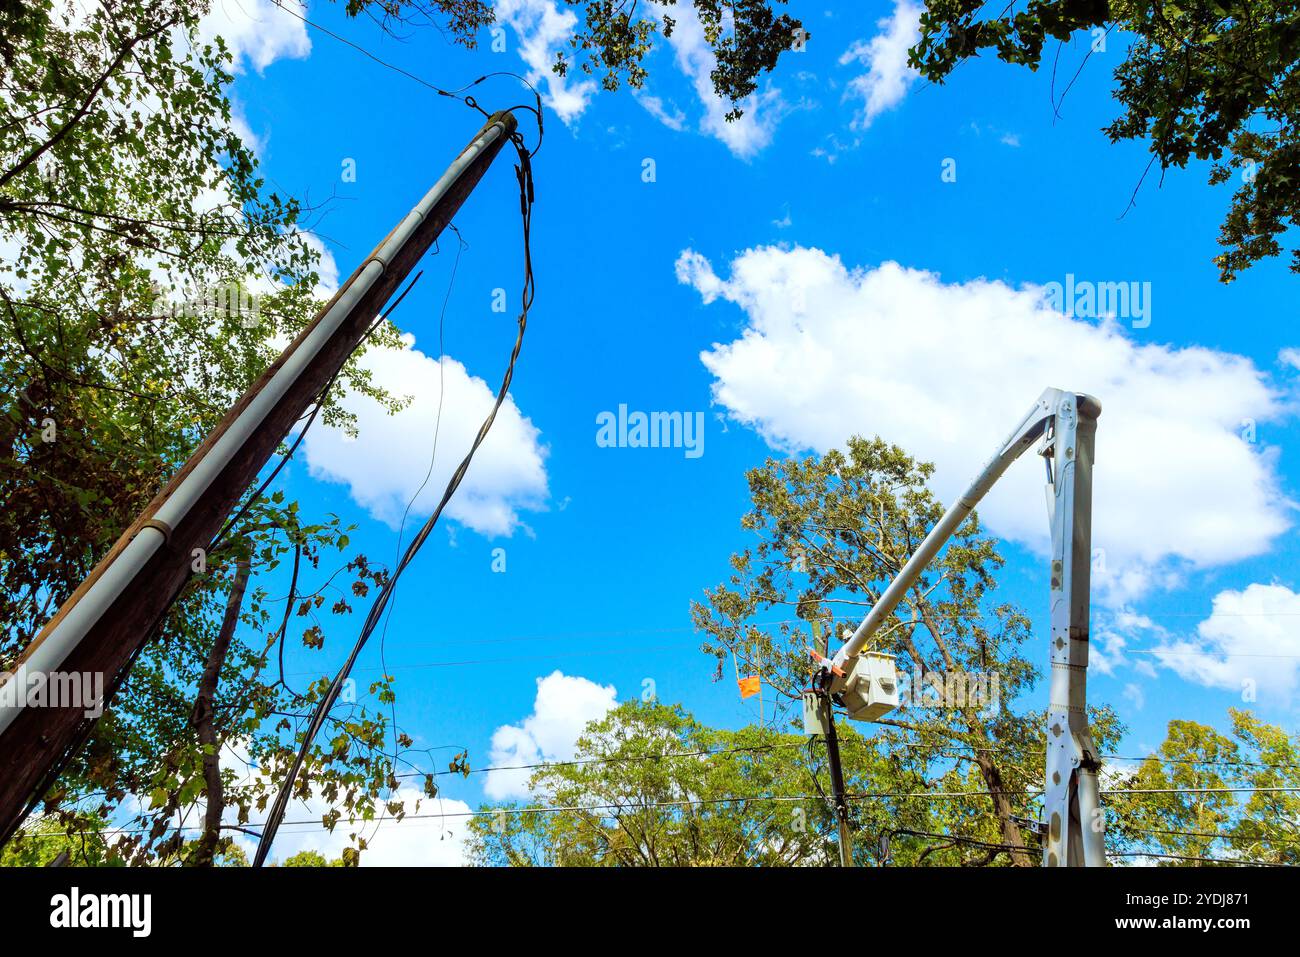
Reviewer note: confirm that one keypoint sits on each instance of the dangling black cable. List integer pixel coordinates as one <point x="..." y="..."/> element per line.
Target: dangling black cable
<point x="524" y="175"/>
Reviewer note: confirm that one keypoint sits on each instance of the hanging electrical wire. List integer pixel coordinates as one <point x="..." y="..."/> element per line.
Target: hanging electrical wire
<point x="433" y="454"/>
<point x="524" y="176"/>
<point x="410" y="503"/>
<point x="453" y="94"/>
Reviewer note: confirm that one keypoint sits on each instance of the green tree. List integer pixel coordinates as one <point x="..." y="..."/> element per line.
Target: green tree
<point x="662" y="790"/>
<point x="1189" y="815"/>
<point x="832" y="531"/>
<point x="313" y="859"/>
<point x="1211" y="80"/>
<point x="614" y="37"/>
<point x="49" y="839"/>
<point x="650" y="786"/>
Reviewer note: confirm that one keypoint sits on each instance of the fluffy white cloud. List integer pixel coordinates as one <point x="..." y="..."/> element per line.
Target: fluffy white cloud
<point x="1112" y="630"/>
<point x="563" y="708"/>
<point x="543" y="29"/>
<point x="888" y="76"/>
<point x="1251" y="640"/>
<point x="749" y="134"/>
<point x="423" y="841"/>
<point x="256" y="32"/>
<point x="432" y="834"/>
<point x="387" y="462"/>
<point x="944" y="370"/>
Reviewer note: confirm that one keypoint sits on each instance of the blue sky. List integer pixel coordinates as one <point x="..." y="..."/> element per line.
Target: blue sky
<point x="804" y="275"/>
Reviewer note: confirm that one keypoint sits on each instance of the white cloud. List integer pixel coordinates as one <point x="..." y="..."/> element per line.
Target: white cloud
<point x="543" y="29"/>
<point x="888" y="76"/>
<point x="1250" y="640"/>
<point x="564" y="706"/>
<point x="386" y="463"/>
<point x="256" y="32"/>
<point x="247" y="135"/>
<point x="944" y="370"/>
<point x="1289" y="356"/>
<point x="749" y="134"/>
<point x="434" y="838"/>
<point x="1133" y="692"/>
<point x="1112" y="629"/>
<point x="674" y="119"/>
<point x="422" y="841"/>
<point x="326" y="267"/>
<point x="432" y="834"/>
<point x="1106" y="647"/>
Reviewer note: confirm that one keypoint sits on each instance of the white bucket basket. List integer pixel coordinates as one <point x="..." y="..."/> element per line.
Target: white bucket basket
<point x="870" y="686"/>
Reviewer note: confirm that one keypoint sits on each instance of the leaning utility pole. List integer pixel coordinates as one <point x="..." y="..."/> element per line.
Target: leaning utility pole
<point x="106" y="621"/>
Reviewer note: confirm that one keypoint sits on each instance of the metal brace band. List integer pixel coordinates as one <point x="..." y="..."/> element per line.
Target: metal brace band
<point x="160" y="526"/>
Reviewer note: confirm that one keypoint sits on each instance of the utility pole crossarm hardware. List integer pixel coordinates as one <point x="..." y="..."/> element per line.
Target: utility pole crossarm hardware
<point x="1066" y="422"/>
<point x="105" y="622"/>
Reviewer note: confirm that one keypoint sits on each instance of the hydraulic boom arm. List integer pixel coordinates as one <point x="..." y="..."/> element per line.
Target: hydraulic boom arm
<point x="1066" y="422"/>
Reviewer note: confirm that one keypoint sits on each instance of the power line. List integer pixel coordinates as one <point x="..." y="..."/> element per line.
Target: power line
<point x="630" y="804"/>
<point x="1012" y="848"/>
<point x="1201" y="860"/>
<point x="671" y="755"/>
<point x="493" y="812"/>
<point x="579" y="808"/>
<point x="523" y="173"/>
<point x="1215" y="836"/>
<point x="496" y="661"/>
<point x="453" y="94"/>
<point x="433" y="458"/>
<point x="1202" y="654"/>
<point x="962" y="839"/>
<point x="779" y="746"/>
<point x="1190" y="761"/>
<point x="1112" y="757"/>
<point x="556" y="636"/>
<point x="364" y="52"/>
<point x="1248" y="790"/>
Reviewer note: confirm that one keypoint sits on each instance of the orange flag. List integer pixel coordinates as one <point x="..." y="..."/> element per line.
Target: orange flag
<point x="748" y="686"/>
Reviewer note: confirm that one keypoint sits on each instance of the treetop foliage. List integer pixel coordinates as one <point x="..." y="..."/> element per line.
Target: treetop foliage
<point x="1208" y="80"/>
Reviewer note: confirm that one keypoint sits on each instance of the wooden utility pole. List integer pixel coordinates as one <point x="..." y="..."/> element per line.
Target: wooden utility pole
<point x="838" y="796"/>
<point x="839" y="800"/>
<point x="100" y="628"/>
